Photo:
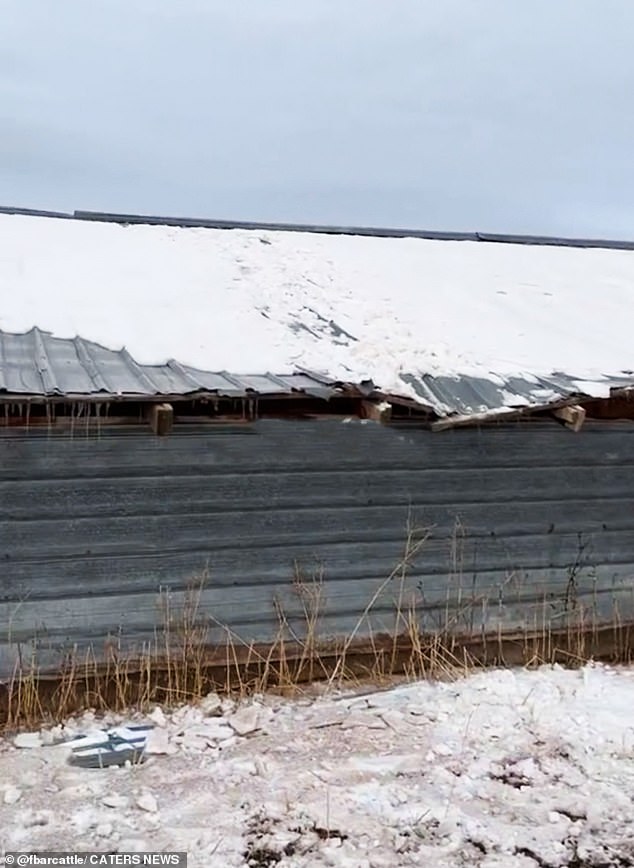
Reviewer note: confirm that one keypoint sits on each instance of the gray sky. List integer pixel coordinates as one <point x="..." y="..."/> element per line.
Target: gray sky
<point x="439" y="114"/>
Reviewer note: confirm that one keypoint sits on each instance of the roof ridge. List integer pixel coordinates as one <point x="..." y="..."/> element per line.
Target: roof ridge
<point x="313" y="228"/>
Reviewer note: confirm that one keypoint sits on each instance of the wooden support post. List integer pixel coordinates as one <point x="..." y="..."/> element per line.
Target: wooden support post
<point x="161" y="418"/>
<point x="381" y="412"/>
<point x="572" y="417"/>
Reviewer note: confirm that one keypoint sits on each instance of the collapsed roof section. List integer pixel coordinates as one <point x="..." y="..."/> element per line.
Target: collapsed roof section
<point x="459" y="329"/>
<point x="36" y="365"/>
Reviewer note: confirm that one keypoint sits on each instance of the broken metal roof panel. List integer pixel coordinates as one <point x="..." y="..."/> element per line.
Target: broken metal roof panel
<point x="37" y="364"/>
<point x="463" y="396"/>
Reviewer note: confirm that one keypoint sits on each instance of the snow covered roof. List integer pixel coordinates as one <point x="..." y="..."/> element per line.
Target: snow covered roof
<point x="458" y="326"/>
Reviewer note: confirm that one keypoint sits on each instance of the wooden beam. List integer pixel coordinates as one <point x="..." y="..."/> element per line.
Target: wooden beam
<point x="378" y="412"/>
<point x="572" y="417"/>
<point x="161" y="418"/>
<point x="503" y="414"/>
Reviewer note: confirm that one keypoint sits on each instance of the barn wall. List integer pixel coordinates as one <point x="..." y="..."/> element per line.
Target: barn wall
<point x="101" y="535"/>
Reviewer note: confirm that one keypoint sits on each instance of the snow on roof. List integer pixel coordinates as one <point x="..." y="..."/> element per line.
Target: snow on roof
<point x="459" y="325"/>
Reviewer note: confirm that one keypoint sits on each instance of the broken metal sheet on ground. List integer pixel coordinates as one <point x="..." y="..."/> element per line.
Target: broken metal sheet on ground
<point x="109" y="747"/>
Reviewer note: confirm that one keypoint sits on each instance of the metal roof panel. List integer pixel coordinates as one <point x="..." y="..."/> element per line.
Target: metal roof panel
<point x="39" y="365"/>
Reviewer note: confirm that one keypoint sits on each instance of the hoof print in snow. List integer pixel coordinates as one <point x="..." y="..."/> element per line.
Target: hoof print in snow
<point x="266" y="844"/>
<point x="512" y="779"/>
<point x="261" y="857"/>
<point x="329" y="834"/>
<point x="36" y="818"/>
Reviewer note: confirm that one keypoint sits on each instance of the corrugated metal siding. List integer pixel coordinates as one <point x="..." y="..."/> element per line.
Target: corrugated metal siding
<point x="91" y="528"/>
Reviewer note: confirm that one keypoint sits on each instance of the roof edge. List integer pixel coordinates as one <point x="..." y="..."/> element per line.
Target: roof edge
<point x="367" y="231"/>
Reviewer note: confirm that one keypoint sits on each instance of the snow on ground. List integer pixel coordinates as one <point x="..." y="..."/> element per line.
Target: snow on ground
<point x="504" y="769"/>
<point x="352" y="307"/>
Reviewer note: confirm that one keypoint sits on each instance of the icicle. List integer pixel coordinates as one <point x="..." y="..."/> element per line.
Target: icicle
<point x="98" y="419"/>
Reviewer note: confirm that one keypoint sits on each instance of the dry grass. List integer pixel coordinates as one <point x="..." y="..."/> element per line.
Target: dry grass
<point x="185" y="660"/>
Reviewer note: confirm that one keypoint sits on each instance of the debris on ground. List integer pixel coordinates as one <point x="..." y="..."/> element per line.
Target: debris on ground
<point x="502" y="769"/>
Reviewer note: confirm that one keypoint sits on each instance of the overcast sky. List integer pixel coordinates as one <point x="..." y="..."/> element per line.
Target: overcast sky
<point x="440" y="114"/>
